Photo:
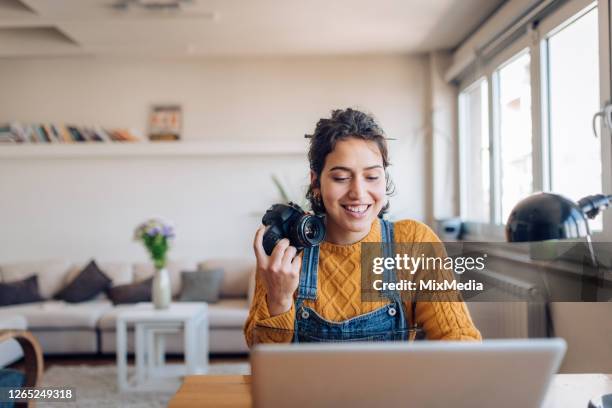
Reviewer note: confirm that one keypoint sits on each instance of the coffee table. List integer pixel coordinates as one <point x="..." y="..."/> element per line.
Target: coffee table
<point x="150" y="327"/>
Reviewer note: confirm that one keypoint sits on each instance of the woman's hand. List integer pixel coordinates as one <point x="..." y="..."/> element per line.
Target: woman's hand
<point x="280" y="272"/>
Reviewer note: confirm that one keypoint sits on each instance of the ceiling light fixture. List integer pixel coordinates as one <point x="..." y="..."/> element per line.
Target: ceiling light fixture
<point x="151" y="5"/>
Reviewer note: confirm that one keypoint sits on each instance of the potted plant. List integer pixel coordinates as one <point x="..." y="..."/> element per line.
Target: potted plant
<point x="156" y="235"/>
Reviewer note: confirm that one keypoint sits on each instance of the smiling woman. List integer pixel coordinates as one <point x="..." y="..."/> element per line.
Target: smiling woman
<point x="316" y="295"/>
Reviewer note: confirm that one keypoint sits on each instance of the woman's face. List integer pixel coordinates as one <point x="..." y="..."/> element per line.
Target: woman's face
<point x="353" y="188"/>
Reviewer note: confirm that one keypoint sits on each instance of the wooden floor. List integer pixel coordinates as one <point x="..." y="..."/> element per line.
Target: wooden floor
<point x="97" y="360"/>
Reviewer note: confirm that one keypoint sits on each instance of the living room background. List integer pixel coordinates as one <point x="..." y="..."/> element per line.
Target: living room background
<point x="86" y="207"/>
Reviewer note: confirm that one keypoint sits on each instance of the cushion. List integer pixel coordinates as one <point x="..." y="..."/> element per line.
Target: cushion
<point x="56" y="314"/>
<point x="201" y="286"/>
<point x="86" y="285"/>
<point x="236" y="273"/>
<point x="143" y="271"/>
<point x="131" y="293"/>
<point x="228" y="313"/>
<point x="23" y="291"/>
<point x="120" y="273"/>
<point x="51" y="274"/>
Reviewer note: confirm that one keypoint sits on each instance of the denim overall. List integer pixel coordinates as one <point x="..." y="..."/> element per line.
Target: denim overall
<point x="386" y="323"/>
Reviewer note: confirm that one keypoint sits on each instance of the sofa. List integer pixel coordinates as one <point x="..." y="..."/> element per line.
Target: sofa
<point x="89" y="327"/>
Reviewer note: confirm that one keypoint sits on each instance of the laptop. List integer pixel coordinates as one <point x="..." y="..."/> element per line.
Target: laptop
<point x="494" y="373"/>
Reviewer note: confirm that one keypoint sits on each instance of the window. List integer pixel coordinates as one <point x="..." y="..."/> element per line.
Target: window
<point x="545" y="85"/>
<point x="474" y="135"/>
<point x="514" y="106"/>
<point x="573" y="97"/>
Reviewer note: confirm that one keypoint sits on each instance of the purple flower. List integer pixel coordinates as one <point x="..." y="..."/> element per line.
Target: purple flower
<point x="167" y="231"/>
<point x="153" y="228"/>
<point x="153" y="231"/>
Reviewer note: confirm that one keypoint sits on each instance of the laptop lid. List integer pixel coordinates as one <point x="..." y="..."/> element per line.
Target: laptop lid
<point x="495" y="373"/>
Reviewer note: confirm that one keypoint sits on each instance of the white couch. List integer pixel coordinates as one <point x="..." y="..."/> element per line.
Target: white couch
<point x="89" y="327"/>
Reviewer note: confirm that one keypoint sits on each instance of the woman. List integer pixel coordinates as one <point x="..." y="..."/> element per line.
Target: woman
<point x="320" y="299"/>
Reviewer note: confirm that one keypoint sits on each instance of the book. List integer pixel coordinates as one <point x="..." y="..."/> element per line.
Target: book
<point x="16" y="132"/>
<point x="66" y="136"/>
<point x="49" y="133"/>
<point x="30" y="134"/>
<point x="6" y="134"/>
<point x="102" y="134"/>
<point x="40" y="137"/>
<point x="92" y="135"/>
<point x="56" y="134"/>
<point x="85" y="133"/>
<point x="126" y="135"/>
<point x="76" y="135"/>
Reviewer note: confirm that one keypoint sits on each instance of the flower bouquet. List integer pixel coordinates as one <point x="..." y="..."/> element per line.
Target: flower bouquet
<point x="156" y="235"/>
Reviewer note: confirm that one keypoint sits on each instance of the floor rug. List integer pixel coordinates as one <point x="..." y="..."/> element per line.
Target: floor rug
<point x="96" y="386"/>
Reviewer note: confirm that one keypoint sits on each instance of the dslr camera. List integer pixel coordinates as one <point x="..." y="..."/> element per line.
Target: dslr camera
<point x="290" y="221"/>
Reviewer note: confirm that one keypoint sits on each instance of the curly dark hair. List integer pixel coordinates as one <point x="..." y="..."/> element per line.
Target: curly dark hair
<point x="343" y="124"/>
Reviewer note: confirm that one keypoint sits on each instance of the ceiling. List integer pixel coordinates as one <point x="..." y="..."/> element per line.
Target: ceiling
<point x="238" y="27"/>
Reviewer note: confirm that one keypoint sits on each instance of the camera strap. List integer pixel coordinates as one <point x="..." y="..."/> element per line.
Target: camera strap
<point x="308" y="277"/>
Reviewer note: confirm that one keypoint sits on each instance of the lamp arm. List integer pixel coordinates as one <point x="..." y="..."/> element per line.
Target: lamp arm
<point x="592" y="205"/>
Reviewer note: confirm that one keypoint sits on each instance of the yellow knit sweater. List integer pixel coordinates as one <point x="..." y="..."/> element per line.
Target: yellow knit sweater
<point x="339" y="294"/>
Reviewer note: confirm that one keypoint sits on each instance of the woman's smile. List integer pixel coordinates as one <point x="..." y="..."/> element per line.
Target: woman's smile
<point x="357" y="210"/>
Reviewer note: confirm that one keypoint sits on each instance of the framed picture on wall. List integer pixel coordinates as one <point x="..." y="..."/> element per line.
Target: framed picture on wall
<point x="165" y="122"/>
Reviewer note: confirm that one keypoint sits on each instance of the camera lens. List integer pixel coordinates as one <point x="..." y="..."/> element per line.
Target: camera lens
<point x="310" y="231"/>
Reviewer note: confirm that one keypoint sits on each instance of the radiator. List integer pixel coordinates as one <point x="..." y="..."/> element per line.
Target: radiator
<point x="521" y="312"/>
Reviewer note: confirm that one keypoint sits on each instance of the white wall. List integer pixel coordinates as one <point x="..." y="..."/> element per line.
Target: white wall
<point x="444" y="163"/>
<point x="79" y="208"/>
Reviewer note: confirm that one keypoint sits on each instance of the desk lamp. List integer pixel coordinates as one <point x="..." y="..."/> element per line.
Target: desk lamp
<point x="545" y="216"/>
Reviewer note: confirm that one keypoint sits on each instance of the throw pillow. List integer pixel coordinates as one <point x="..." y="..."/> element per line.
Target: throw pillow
<point x="131" y="293"/>
<point x="89" y="283"/>
<point x="201" y="286"/>
<point x="120" y="273"/>
<point x="51" y="274"/>
<point x="236" y="273"/>
<point x="23" y="291"/>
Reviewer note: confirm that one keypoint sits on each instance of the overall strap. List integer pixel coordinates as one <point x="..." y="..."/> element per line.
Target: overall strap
<point x="391" y="276"/>
<point x="386" y="230"/>
<point x="308" y="276"/>
<point x="307" y="288"/>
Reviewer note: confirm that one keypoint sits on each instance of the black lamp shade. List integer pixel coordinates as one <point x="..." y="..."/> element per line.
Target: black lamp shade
<point x="545" y="216"/>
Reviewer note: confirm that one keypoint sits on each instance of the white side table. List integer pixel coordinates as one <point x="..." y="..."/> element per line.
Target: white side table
<point x="150" y="327"/>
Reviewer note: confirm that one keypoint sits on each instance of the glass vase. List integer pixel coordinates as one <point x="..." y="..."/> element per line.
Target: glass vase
<point x="162" y="290"/>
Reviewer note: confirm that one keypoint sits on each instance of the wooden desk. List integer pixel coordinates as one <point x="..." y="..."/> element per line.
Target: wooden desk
<point x="567" y="390"/>
<point x="213" y="391"/>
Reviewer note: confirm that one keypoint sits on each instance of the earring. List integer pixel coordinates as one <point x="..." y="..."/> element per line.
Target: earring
<point x="317" y="199"/>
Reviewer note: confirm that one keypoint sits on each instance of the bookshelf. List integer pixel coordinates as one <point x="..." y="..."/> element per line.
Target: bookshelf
<point x="152" y="149"/>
